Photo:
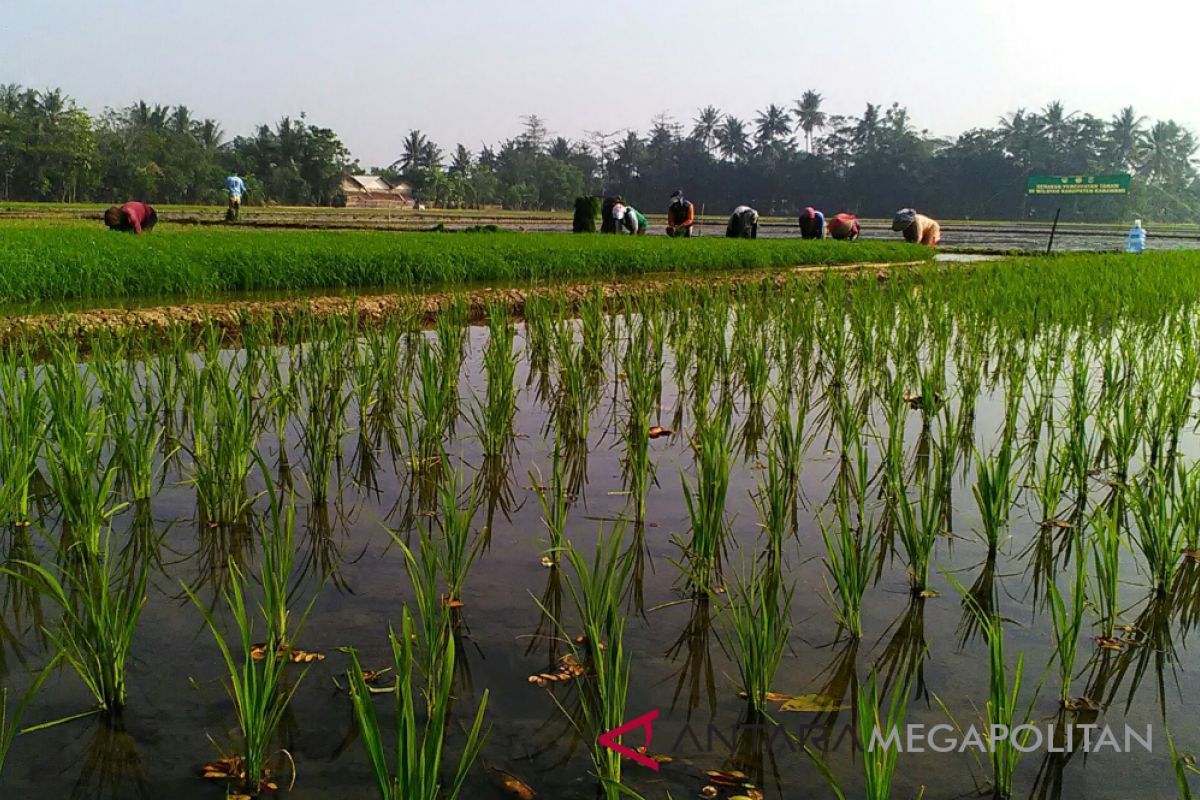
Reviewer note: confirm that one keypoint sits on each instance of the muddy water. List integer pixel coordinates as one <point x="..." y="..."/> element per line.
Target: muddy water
<point x="680" y="666"/>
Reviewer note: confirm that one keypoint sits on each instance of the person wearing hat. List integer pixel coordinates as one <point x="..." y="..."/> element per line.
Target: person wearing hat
<point x="1135" y="241"/>
<point x="917" y="228"/>
<point x="681" y="215"/>
<point x="630" y="218"/>
<point x="843" y="227"/>
<point x="743" y="224"/>
<point x="132" y="216"/>
<point x="812" y="224"/>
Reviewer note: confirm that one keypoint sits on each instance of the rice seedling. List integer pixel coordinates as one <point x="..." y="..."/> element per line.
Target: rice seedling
<point x="1004" y="691"/>
<point x="556" y="506"/>
<point x="878" y="734"/>
<point x="1160" y="532"/>
<point x="919" y="525"/>
<point x="456" y="550"/>
<point x="101" y="597"/>
<point x="493" y="418"/>
<point x="849" y="553"/>
<point x="136" y="430"/>
<point x="427" y="415"/>
<point x="774" y="502"/>
<point x="757" y="620"/>
<point x="223" y="439"/>
<point x="23" y="426"/>
<point x="596" y="591"/>
<point x="257" y="686"/>
<point x="326" y="402"/>
<point x="705" y="501"/>
<point x="995" y="493"/>
<point x="416" y="771"/>
<point x="1183" y="771"/>
<point x="1067" y="621"/>
<point x="1106" y="559"/>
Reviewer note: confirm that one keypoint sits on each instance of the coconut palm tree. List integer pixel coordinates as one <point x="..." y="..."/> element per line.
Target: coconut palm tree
<point x="809" y="116"/>
<point x="1056" y="125"/>
<point x="771" y="125"/>
<point x="416" y="146"/>
<point x="705" y="128"/>
<point x="733" y="142"/>
<point x="1166" y="153"/>
<point x="1125" y="134"/>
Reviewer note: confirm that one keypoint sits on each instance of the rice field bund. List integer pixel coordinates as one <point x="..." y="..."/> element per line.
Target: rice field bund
<point x="438" y="555"/>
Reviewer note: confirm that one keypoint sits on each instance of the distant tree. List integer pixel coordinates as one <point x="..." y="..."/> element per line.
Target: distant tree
<point x="771" y="126"/>
<point x="809" y="116"/>
<point x="705" y="128"/>
<point x="733" y="143"/>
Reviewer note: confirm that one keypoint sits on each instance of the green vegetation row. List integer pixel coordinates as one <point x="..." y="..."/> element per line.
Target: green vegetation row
<point x="61" y="263"/>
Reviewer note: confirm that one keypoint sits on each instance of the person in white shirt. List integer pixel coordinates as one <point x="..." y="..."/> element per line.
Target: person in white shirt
<point x="743" y="224"/>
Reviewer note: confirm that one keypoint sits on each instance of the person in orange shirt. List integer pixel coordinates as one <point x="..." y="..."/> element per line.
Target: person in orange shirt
<point x="681" y="215"/>
<point x="132" y="216"/>
<point x="843" y="227"/>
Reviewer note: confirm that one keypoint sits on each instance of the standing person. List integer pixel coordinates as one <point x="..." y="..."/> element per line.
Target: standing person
<point x="630" y="218"/>
<point x="681" y="215"/>
<point x="1135" y="241"/>
<point x="743" y="224"/>
<point x="843" y="227"/>
<point x="132" y="216"/>
<point x="812" y="224"/>
<point x="235" y="188"/>
<point x="917" y="228"/>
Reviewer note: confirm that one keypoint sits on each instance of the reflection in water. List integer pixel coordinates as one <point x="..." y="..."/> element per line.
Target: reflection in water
<point x="981" y="601"/>
<point x="112" y="766"/>
<point x="902" y="661"/>
<point x="837" y="690"/>
<point x="693" y="653"/>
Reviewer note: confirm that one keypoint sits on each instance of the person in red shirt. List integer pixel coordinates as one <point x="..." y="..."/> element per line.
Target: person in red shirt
<point x="132" y="216"/>
<point x="844" y="227"/>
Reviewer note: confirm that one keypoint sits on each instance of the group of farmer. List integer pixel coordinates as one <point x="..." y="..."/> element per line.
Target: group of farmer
<point x="619" y="215"/>
<point x="135" y="217"/>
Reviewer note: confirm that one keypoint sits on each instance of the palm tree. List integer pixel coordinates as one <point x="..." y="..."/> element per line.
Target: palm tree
<point x="1166" y="153"/>
<point x="732" y="141"/>
<point x="461" y="161"/>
<point x="1125" y="133"/>
<point x="705" y="128"/>
<point x="771" y="125"/>
<point x="866" y="131"/>
<point x="809" y="116"/>
<point x="415" y="147"/>
<point x="1056" y="124"/>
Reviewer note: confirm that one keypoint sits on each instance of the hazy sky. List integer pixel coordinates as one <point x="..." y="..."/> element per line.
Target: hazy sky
<point x="468" y="70"/>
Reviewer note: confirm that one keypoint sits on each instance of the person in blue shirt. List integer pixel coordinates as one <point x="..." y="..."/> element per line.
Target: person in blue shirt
<point x="235" y="187"/>
<point x="1135" y="242"/>
<point x="812" y="224"/>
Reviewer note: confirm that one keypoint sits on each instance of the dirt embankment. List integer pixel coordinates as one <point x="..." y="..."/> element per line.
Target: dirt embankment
<point x="375" y="308"/>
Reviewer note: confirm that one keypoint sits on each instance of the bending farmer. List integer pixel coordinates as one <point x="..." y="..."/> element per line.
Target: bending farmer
<point x="681" y="215"/>
<point x="743" y="224"/>
<point x="843" y="227"/>
<point x="629" y="218"/>
<point x="812" y="224"/>
<point x="917" y="227"/>
<point x="133" y="216"/>
<point x="235" y="187"/>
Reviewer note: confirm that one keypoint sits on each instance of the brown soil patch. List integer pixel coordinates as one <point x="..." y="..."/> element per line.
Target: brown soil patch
<point x="374" y="308"/>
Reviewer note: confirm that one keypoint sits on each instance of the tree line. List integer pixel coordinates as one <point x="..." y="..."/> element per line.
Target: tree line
<point x="781" y="160"/>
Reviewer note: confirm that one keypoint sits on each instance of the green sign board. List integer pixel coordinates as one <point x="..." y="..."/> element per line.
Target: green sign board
<point x="1058" y="185"/>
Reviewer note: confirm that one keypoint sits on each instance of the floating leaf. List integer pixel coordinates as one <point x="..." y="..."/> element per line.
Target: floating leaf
<point x="813" y="703"/>
<point x="515" y="786"/>
<point x="657" y="432"/>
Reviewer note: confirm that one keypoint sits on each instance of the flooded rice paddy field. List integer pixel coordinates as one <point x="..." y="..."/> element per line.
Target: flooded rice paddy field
<point x="1023" y="440"/>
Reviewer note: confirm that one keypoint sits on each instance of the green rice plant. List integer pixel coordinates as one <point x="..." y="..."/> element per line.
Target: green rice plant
<point x="596" y="590"/>
<point x="918" y="525"/>
<point x="258" y="688"/>
<point x="1106" y="559"/>
<point x="876" y="733"/>
<point x="456" y="551"/>
<point x="1067" y="623"/>
<point x="1004" y="690"/>
<point x="136" y="430"/>
<point x="493" y="418"/>
<point x="774" y="502"/>
<point x="849" y="553"/>
<point x="427" y="414"/>
<point x="415" y="773"/>
<point x="1159" y="524"/>
<point x="77" y="471"/>
<point x="326" y="402"/>
<point x="23" y="424"/>
<point x="1183" y="771"/>
<point x="641" y="392"/>
<point x="556" y="507"/>
<point x="276" y="572"/>
<point x="573" y="400"/>
<point x="223" y="439"/>
<point x="995" y="492"/>
<point x="433" y="613"/>
<point x="101" y="596"/>
<point x="757" y="621"/>
<point x="713" y="446"/>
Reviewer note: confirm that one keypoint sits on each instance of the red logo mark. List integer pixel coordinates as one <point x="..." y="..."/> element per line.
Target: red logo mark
<point x="645" y="722"/>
